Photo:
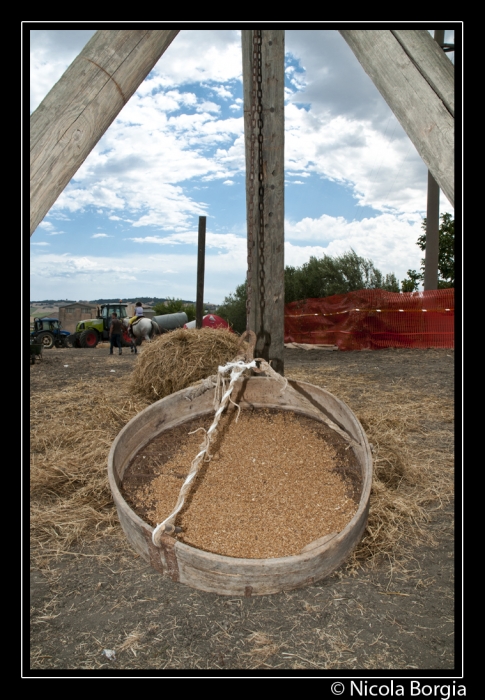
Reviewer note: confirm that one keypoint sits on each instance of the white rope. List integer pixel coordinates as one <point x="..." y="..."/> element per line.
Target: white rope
<point x="236" y="368"/>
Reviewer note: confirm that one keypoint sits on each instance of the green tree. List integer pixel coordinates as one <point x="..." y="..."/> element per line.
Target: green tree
<point x="319" y="277"/>
<point x="411" y="282"/>
<point x="446" y="257"/>
<point x="174" y="306"/>
<point x="233" y="308"/>
<point x="326" y="276"/>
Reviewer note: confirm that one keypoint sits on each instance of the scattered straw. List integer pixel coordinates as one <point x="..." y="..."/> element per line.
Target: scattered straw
<point x="180" y="358"/>
<point x="71" y="435"/>
<point x="407" y="484"/>
<point x="263" y="647"/>
<point x="72" y="431"/>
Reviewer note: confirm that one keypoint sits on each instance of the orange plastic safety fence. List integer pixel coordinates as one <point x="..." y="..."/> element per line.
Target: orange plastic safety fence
<point x="373" y="319"/>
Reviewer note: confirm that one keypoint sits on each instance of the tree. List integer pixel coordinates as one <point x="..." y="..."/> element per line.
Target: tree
<point x="446" y="257"/>
<point x="319" y="277"/>
<point x="233" y="308"/>
<point x="411" y="283"/>
<point x="326" y="276"/>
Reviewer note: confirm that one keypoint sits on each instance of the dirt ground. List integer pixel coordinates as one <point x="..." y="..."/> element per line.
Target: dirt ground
<point x="388" y="616"/>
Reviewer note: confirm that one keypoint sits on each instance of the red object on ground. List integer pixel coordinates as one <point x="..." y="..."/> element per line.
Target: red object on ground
<point x="126" y="336"/>
<point x="372" y="319"/>
<point x="210" y="321"/>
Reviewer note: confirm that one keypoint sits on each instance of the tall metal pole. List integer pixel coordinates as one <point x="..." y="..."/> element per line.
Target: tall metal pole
<point x="199" y="304"/>
<point x="263" y="53"/>
<point x="432" y="216"/>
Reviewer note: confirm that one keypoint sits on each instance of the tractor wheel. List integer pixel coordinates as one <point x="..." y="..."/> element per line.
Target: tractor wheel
<point x="60" y="342"/>
<point x="46" y="340"/>
<point x="89" y="338"/>
<point x="72" y="341"/>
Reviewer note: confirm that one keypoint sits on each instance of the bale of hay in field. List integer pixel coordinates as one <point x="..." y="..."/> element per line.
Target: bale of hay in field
<point x="180" y="358"/>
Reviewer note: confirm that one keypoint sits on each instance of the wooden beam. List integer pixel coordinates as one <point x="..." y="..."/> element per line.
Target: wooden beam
<point x="72" y="118"/>
<point x="417" y="81"/>
<point x="263" y="83"/>
<point x="431" y="254"/>
<point x="431" y="61"/>
<point x="199" y="303"/>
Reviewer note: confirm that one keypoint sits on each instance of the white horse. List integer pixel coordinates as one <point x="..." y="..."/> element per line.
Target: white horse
<point x="143" y="329"/>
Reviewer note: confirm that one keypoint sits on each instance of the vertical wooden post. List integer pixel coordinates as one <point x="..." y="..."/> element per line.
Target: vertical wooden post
<point x="431" y="254"/>
<point x="199" y="304"/>
<point x="263" y="81"/>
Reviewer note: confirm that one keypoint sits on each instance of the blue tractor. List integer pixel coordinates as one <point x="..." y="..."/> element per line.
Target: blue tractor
<point x="48" y="332"/>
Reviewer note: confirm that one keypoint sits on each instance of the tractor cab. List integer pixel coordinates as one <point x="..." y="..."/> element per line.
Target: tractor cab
<point x="46" y="324"/>
<point x="106" y="310"/>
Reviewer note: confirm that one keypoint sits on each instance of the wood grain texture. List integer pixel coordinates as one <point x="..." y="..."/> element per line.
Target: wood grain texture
<point x="266" y="267"/>
<point x="418" y="87"/>
<point x="75" y="114"/>
<point x="431" y="61"/>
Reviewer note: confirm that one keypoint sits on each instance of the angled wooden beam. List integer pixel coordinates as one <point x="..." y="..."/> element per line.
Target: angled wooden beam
<point x="416" y="79"/>
<point x="431" y="255"/>
<point x="263" y="84"/>
<point x="72" y="118"/>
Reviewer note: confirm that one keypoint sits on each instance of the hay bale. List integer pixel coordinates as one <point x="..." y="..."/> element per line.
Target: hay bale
<point x="180" y="358"/>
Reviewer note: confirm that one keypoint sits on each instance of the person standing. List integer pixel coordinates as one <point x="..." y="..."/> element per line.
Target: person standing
<point x="115" y="331"/>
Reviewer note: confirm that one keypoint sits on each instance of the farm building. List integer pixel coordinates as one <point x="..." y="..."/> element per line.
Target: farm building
<point x="71" y="314"/>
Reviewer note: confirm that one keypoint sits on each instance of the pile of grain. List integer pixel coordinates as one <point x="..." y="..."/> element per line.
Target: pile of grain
<point x="274" y="484"/>
<point x="180" y="358"/>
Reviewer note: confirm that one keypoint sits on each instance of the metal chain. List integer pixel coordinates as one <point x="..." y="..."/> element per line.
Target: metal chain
<point x="256" y="172"/>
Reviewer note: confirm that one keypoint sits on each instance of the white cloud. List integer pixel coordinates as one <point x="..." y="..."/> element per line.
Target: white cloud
<point x="379" y="169"/>
<point x="163" y="162"/>
<point x="196" y="56"/>
<point x="222" y="91"/>
<point x="208" y="107"/>
<point x="39" y="243"/>
<point x="222" y="241"/>
<point x="101" y="235"/>
<point x="387" y="240"/>
<point x="86" y="277"/>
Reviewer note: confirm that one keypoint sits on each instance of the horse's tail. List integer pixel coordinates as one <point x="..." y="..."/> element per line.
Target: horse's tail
<point x="155" y="327"/>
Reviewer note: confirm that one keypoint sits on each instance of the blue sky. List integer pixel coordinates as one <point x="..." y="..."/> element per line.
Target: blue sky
<point x="126" y="225"/>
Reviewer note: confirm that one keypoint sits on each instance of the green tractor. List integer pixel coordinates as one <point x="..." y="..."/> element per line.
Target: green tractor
<point x="91" y="331"/>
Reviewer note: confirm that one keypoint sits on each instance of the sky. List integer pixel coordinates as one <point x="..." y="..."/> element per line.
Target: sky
<point x="126" y="225"/>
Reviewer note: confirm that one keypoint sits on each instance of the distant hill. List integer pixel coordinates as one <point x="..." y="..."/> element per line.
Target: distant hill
<point x="52" y="302"/>
<point x="39" y="308"/>
<point x="64" y="302"/>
